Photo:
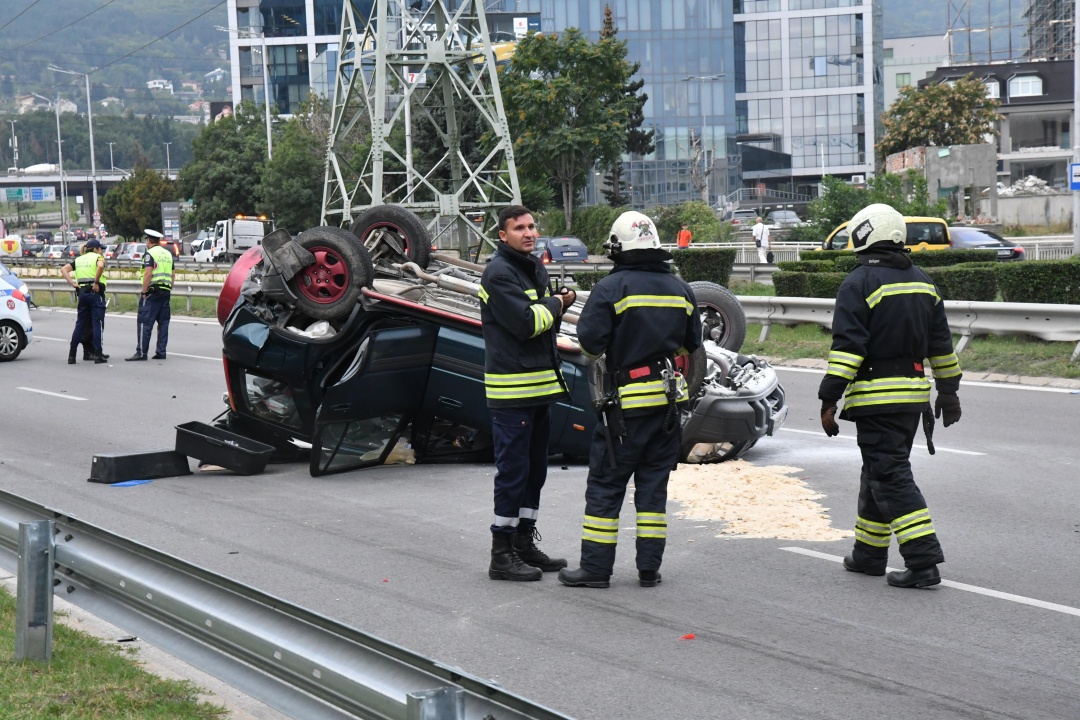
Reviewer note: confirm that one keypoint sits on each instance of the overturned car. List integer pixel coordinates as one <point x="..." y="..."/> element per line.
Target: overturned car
<point x="343" y="347"/>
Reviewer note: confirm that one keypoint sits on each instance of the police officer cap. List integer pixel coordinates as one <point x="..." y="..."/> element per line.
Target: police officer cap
<point x="93" y="243"/>
<point x="632" y="231"/>
<point x="153" y="234"/>
<point x="877" y="224"/>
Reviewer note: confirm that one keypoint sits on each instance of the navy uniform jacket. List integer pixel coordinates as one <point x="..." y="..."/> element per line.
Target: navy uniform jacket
<point x="889" y="318"/>
<point x="520" y="319"/>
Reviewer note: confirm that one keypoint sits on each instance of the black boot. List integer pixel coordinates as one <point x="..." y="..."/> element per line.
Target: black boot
<point x="852" y="566"/>
<point x="71" y="358"/>
<point x="505" y="563"/>
<point x="100" y="358"/>
<point x="649" y="578"/>
<point x="525" y="546"/>
<point x="583" y="578"/>
<point x="89" y="355"/>
<point x="923" y="577"/>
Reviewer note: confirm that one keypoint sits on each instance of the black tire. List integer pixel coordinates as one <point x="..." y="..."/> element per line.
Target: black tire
<point x="391" y="235"/>
<point x="330" y="287"/>
<point x="12" y="340"/>
<point x="722" y="318"/>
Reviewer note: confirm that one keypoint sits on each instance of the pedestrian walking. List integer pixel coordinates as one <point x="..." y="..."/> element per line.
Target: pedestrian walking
<point x="159" y="274"/>
<point x="639" y="317"/>
<point x="684" y="237"/>
<point x="761" y="240"/>
<point x="888" y="320"/>
<point x="87" y="275"/>
<point x="522" y="378"/>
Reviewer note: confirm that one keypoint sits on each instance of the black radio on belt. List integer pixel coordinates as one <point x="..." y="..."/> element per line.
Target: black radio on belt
<point x="892" y="367"/>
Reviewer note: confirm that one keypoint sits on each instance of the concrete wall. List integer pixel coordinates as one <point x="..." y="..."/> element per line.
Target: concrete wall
<point x="1032" y="209"/>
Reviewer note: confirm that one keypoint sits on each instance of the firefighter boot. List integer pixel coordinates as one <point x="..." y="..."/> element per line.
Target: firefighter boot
<point x="583" y="578"/>
<point x="912" y="578"/>
<point x="525" y="546"/>
<point x="71" y="358"/>
<point x="505" y="563"/>
<point x="649" y="578"/>
<point x="853" y="565"/>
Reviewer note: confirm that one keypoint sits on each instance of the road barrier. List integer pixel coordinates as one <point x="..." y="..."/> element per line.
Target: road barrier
<point x="115" y="288"/>
<point x="296" y="660"/>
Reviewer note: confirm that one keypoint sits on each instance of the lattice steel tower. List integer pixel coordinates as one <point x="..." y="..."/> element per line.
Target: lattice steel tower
<point x="443" y="48"/>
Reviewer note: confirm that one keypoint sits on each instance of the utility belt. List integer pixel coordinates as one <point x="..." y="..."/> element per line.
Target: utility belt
<point x="158" y="288"/>
<point x="88" y="286"/>
<point x="651" y="370"/>
<point x="892" y="367"/>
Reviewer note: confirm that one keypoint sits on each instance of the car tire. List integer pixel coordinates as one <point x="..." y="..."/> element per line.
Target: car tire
<point x="392" y="235"/>
<point x="12" y="340"/>
<point x="722" y="318"/>
<point x="330" y="287"/>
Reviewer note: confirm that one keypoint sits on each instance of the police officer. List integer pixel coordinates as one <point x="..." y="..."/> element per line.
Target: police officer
<point x="89" y="282"/>
<point x="889" y="319"/>
<point x="522" y="379"/>
<point x="158" y="277"/>
<point x="640" y="317"/>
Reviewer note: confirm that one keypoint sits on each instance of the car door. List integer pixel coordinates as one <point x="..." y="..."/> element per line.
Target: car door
<point x="364" y="413"/>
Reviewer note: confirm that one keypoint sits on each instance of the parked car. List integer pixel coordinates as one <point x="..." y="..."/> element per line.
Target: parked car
<point x="974" y="238"/>
<point x="56" y="252"/>
<point x="923" y="233"/>
<point x="72" y="251"/>
<point x="13" y="280"/>
<point x="131" y="251"/>
<point x="743" y="218"/>
<point x="109" y="252"/>
<point x="44" y="235"/>
<point x="336" y="364"/>
<point x="173" y="246"/>
<point x="783" y="219"/>
<point x="33" y="248"/>
<point x="565" y="248"/>
<point x="16" y="331"/>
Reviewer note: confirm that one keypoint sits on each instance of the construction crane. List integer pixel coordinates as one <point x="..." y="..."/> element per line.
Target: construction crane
<point x="417" y="66"/>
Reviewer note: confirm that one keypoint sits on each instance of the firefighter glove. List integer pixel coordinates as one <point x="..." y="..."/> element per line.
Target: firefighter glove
<point x="949" y="405"/>
<point x="828" y="418"/>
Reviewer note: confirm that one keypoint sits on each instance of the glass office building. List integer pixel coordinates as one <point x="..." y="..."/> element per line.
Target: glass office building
<point x="685" y="47"/>
<point x="809" y="84"/>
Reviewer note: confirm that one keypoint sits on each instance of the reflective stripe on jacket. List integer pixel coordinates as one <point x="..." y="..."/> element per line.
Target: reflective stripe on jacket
<point x="163" y="267"/>
<point x="520" y="320"/>
<point x="889" y="315"/>
<point x="86" y="268"/>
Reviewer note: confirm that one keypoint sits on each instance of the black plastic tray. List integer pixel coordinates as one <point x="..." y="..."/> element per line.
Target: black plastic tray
<point x="215" y="446"/>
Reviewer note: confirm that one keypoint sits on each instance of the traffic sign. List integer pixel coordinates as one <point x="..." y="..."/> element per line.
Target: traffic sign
<point x="97" y="217"/>
<point x="1074" y="176"/>
<point x="63" y="228"/>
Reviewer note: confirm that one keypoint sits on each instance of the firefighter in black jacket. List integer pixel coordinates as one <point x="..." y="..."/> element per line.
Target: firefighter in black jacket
<point x="522" y="379"/>
<point x="640" y="317"/>
<point x="889" y="319"/>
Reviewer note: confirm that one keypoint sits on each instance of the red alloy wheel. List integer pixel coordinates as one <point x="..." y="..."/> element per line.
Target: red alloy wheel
<point x="327" y="279"/>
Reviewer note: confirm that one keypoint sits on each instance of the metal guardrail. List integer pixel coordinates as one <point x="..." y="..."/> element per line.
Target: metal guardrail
<point x="115" y="288"/>
<point x="967" y="319"/>
<point x="331" y="670"/>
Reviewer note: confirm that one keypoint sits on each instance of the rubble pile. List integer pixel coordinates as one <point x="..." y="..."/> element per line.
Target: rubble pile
<point x="1029" y="185"/>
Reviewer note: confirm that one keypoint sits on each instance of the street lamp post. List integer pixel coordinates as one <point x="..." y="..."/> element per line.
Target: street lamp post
<point x="266" y="80"/>
<point x="60" y="161"/>
<point x="112" y="165"/>
<point x="168" y="162"/>
<point x="90" y="122"/>
<point x="1075" y="119"/>
<point x="14" y="146"/>
<point x="701" y="101"/>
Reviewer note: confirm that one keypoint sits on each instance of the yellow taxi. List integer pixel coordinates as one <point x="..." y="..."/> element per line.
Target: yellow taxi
<point x="923" y="233"/>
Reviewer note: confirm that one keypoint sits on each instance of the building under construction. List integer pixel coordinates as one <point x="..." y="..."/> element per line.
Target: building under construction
<point x="989" y="31"/>
<point x="1050" y="30"/>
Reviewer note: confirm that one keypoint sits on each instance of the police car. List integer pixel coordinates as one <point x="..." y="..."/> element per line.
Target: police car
<point x="15" y="329"/>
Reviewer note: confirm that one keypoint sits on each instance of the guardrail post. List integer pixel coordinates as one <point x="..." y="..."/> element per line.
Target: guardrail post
<point x="965" y="338"/>
<point x="446" y="703"/>
<point x="188" y="298"/>
<point x="34" y="595"/>
<point x="1076" y="353"/>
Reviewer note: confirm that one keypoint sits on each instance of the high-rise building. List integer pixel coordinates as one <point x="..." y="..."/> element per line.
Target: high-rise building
<point x="1050" y="29"/>
<point x="809" y="84"/>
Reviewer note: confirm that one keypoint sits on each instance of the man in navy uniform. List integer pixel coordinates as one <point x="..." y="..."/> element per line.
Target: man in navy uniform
<point x="158" y="276"/>
<point x="89" y="282"/>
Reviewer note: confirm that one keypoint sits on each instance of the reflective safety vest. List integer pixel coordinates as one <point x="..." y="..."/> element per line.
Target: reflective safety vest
<point x="888" y="320"/>
<point x="163" y="264"/>
<point x="86" y="268"/>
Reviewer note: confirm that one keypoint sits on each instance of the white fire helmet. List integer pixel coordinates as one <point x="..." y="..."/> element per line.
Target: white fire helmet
<point x="632" y="231"/>
<point x="874" y="224"/>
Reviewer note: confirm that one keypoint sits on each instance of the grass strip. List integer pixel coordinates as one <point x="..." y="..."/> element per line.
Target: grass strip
<point x="88" y="679"/>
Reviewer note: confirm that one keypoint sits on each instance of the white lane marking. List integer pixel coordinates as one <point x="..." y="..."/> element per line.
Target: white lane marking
<point x="972" y="383"/>
<point x="46" y="392"/>
<point x="852" y="437"/>
<point x="133" y="316"/>
<point x="197" y="357"/>
<point x="960" y="586"/>
<point x="42" y="337"/>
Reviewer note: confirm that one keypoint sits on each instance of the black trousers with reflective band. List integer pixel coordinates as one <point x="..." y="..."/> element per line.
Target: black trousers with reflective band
<point x="887" y="490"/>
<point x="648" y="454"/>
<point x="520" y="436"/>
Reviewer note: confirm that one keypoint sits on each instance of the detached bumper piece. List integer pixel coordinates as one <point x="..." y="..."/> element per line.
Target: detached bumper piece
<point x="111" y="468"/>
<point x="216" y="446"/>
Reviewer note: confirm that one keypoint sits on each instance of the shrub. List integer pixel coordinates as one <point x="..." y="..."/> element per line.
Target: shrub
<point x="586" y="279"/>
<point x="809" y="266"/>
<point x="593" y="225"/>
<point x="815" y="255"/>
<point x="944" y="258"/>
<point x="790" y="284"/>
<point x="1040" y="281"/>
<point x="699" y="217"/>
<point x="846" y="263"/>
<point x="823" y="284"/>
<point x="710" y="265"/>
<point x="966" y="282"/>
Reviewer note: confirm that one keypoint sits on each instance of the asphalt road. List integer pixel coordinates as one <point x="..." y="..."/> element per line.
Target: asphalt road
<point x="401" y="552"/>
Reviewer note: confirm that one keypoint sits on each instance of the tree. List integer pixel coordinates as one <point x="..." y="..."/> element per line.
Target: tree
<point x="223" y="177"/>
<point x="135" y="203"/>
<point x="292" y="183"/>
<point x="700" y="220"/>
<point x="941" y="114"/>
<point x="567" y="106"/>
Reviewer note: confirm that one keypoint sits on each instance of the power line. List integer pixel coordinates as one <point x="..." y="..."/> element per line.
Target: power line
<point x="110" y="2"/>
<point x="20" y="14"/>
